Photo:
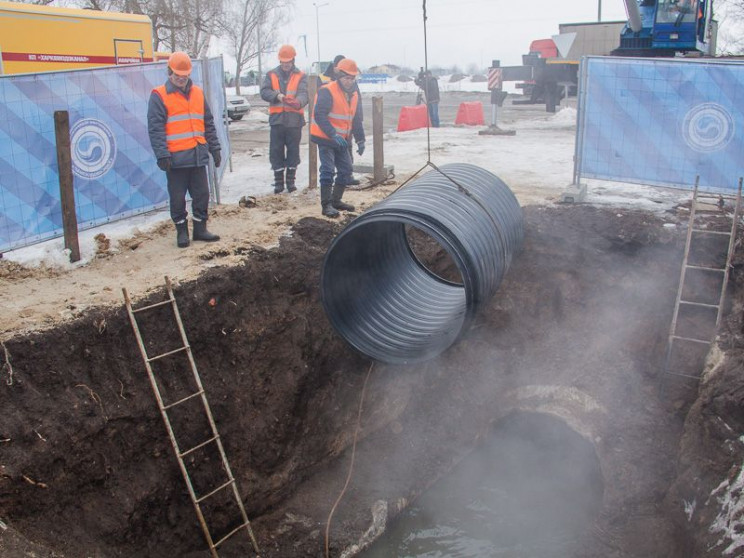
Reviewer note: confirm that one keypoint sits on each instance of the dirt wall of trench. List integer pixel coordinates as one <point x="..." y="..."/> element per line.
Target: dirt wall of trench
<point x="577" y="330"/>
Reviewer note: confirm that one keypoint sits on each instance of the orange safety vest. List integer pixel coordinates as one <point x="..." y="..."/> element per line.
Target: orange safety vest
<point x="342" y="112"/>
<point x="292" y="85"/>
<point x="184" y="128"/>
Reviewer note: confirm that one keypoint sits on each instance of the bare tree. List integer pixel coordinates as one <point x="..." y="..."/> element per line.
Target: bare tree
<point x="473" y="69"/>
<point x="186" y="25"/>
<point x="249" y="27"/>
<point x="730" y="16"/>
<point x="202" y="16"/>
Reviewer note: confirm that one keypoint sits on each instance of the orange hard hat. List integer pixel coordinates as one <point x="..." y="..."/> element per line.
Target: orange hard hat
<point x="287" y="53"/>
<point x="180" y="63"/>
<point x="348" y="66"/>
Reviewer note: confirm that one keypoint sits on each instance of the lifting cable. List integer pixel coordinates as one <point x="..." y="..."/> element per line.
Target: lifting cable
<point x="428" y="163"/>
<point x="463" y="190"/>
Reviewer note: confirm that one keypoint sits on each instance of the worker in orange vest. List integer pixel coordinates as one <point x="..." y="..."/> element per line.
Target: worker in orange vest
<point x="182" y="135"/>
<point x="285" y="89"/>
<point x="331" y="74"/>
<point x="336" y="118"/>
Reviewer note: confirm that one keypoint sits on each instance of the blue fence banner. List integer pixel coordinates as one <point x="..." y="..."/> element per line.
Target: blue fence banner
<point x="373" y="78"/>
<point x="114" y="171"/>
<point x="661" y="122"/>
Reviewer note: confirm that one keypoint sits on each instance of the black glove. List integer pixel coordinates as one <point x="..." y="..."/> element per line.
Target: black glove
<point x="217" y="158"/>
<point x="341" y="142"/>
<point x="164" y="163"/>
<point x="360" y="148"/>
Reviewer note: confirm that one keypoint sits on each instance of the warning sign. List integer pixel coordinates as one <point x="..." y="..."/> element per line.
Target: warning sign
<point x="494" y="78"/>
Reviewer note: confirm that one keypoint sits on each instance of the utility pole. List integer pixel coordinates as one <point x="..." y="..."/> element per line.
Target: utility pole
<point x="317" y="29"/>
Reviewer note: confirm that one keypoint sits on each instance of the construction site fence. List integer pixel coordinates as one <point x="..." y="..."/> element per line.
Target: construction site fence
<point x="661" y="122"/>
<point x="114" y="170"/>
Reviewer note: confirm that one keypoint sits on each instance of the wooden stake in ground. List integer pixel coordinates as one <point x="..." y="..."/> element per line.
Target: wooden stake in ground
<point x="66" y="185"/>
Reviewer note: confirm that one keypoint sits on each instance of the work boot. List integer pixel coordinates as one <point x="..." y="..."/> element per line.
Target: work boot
<point x="330" y="211"/>
<point x="325" y="201"/>
<point x="338" y="192"/>
<point x="182" y="234"/>
<point x="201" y="232"/>
<point x="278" y="181"/>
<point x="291" y="174"/>
<point x="354" y="182"/>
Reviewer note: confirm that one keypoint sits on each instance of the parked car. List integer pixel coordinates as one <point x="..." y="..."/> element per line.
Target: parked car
<point x="237" y="107"/>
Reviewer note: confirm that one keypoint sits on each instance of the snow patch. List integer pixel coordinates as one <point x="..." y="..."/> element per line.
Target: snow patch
<point x="730" y="520"/>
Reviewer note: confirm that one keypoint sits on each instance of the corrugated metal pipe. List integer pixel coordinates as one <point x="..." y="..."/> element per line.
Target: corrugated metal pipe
<point x="384" y="301"/>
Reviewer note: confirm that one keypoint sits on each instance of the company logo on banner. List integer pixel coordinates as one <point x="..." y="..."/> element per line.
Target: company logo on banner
<point x="708" y="127"/>
<point x="93" y="148"/>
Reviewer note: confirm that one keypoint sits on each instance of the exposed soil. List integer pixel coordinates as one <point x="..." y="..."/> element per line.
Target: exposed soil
<point x="577" y="330"/>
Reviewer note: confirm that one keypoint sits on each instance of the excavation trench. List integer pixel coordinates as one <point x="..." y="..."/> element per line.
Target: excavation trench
<point x="531" y="488"/>
<point x="576" y="333"/>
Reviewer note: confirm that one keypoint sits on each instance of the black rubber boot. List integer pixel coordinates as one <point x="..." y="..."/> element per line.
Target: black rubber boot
<point x="291" y="174"/>
<point x="338" y="192"/>
<point x="325" y="201"/>
<point x="201" y="232"/>
<point x="182" y="234"/>
<point x="278" y="181"/>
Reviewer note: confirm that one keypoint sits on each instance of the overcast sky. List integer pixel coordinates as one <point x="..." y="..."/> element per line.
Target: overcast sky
<point x="461" y="32"/>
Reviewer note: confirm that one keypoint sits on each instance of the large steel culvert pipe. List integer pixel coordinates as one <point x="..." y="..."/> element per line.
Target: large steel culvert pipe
<point x="384" y="301"/>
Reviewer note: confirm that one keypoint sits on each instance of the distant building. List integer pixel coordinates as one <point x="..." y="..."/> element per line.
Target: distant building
<point x="388" y="69"/>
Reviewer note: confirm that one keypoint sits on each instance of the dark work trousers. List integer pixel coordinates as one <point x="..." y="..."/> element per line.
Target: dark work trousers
<point x="434" y="114"/>
<point x="332" y="158"/>
<point x="284" y="150"/>
<point x="194" y="181"/>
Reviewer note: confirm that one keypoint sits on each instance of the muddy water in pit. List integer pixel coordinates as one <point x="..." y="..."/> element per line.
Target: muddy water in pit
<point x="531" y="490"/>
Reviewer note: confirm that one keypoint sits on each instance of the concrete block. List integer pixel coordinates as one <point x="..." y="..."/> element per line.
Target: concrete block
<point x="370" y="169"/>
<point x="574" y="194"/>
<point x="496" y="131"/>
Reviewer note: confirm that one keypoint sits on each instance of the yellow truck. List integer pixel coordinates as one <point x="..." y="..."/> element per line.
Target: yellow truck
<point x="44" y="38"/>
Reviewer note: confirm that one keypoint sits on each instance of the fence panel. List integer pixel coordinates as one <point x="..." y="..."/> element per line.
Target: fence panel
<point x="115" y="173"/>
<point x="661" y="122"/>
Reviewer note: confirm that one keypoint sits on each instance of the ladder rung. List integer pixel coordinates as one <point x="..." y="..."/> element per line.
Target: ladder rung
<point x="704" y="231"/>
<point x="151" y="306"/>
<point x="705" y="268"/>
<point x="169" y="353"/>
<point x="184" y="454"/>
<point x="682" y="375"/>
<point x="197" y="394"/>
<point x="231" y="533"/>
<point x="702" y="304"/>
<point x="691" y="339"/>
<point x="215" y="491"/>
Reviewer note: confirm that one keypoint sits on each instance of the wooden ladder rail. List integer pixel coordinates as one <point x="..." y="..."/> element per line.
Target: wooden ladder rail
<point x="215" y="438"/>
<point x="691" y="229"/>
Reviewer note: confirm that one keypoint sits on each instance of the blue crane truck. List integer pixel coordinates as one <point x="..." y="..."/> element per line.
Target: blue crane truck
<point x="655" y="28"/>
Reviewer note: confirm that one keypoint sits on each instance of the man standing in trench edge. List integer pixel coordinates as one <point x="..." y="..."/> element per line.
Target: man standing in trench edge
<point x="182" y="135"/>
<point x="336" y="117"/>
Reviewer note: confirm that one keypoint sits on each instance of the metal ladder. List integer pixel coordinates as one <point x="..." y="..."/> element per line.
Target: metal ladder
<point x="692" y="232"/>
<point x="164" y="408"/>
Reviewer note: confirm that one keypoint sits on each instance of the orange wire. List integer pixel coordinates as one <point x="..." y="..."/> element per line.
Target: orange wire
<point x="351" y="465"/>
